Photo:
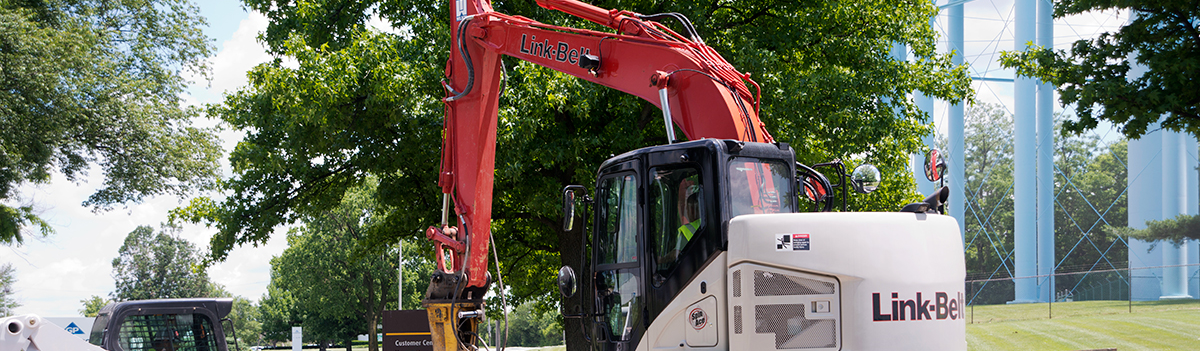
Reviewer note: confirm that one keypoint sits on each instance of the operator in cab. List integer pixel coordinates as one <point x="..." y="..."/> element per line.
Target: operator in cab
<point x="690" y="215"/>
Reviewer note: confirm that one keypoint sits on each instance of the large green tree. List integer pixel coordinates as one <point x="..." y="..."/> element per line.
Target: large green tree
<point x="278" y="313"/>
<point x="247" y="323"/>
<point x="98" y="82"/>
<point x="1098" y="77"/>
<point x="361" y="103"/>
<point x="336" y="281"/>
<point x="159" y="266"/>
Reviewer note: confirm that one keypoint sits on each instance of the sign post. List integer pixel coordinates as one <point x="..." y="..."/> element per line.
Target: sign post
<point x="297" y="338"/>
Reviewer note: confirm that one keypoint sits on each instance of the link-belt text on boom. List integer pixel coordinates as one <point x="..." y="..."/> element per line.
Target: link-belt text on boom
<point x="560" y="52"/>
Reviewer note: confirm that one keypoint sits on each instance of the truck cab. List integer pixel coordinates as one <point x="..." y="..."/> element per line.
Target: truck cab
<point x="161" y="325"/>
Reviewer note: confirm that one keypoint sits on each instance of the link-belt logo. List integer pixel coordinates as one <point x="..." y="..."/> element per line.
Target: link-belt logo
<point x="940" y="308"/>
<point x="560" y="52"/>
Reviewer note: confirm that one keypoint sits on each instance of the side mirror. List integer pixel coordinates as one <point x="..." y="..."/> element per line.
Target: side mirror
<point x="866" y="178"/>
<point x="935" y="166"/>
<point x="569" y="206"/>
<point x="566" y="281"/>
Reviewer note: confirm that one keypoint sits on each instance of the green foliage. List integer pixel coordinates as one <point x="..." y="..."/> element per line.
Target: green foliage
<point x="8" y="277"/>
<point x="277" y="313"/>
<point x="92" y="305"/>
<point x="1175" y="230"/>
<point x="418" y="267"/>
<point x="340" y="286"/>
<point x="359" y="103"/>
<point x="98" y="82"/>
<point x="158" y="266"/>
<point x="14" y="220"/>
<point x="1097" y="75"/>
<point x="531" y="327"/>
<point x="247" y="324"/>
<point x="1089" y="177"/>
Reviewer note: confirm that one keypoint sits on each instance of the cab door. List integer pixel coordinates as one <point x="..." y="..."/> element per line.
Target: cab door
<point x="619" y="285"/>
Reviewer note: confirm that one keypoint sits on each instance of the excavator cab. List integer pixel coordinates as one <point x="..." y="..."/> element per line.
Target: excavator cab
<point x="660" y="215"/>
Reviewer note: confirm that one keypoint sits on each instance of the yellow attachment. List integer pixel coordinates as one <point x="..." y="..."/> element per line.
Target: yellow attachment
<point x="444" y="325"/>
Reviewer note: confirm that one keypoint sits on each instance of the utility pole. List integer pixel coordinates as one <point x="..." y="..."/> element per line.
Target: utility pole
<point x="400" y="274"/>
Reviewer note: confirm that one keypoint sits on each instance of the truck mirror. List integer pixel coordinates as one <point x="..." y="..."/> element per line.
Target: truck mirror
<point x="568" y="211"/>
<point x="566" y="281"/>
<point x="569" y="206"/>
<point x="866" y="178"/>
<point x="935" y="165"/>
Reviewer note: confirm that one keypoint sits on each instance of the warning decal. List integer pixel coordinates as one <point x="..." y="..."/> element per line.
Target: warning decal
<point x="791" y="242"/>
<point x="799" y="242"/>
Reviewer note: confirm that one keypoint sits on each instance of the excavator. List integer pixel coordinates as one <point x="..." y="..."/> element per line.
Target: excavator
<point x="694" y="245"/>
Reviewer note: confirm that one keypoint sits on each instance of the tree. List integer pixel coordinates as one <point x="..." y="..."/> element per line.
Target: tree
<point x="92" y="305"/>
<point x="158" y="266"/>
<point x="8" y="304"/>
<point x="531" y="327"/>
<point x="360" y="103"/>
<point x="247" y="323"/>
<point x="278" y="313"/>
<point x="1175" y="230"/>
<point x="98" y="82"/>
<point x="1097" y="74"/>
<point x="340" y="286"/>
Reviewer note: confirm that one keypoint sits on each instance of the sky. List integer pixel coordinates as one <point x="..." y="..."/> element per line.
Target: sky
<point x="74" y="263"/>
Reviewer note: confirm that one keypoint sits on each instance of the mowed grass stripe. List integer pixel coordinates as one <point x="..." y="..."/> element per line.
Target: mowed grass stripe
<point x="1155" y="325"/>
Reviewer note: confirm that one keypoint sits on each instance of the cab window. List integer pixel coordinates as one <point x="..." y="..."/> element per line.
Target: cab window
<point x="618" y="232"/>
<point x="676" y="200"/>
<point x="759" y="186"/>
<point x="617" y="274"/>
<point x="167" y="332"/>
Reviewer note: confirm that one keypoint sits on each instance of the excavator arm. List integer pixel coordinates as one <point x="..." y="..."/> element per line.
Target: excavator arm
<point x="698" y="91"/>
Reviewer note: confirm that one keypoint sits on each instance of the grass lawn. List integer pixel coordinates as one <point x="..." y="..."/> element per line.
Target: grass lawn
<point x="1153" y="325"/>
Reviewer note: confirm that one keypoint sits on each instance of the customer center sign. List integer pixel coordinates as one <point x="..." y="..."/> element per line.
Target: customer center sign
<point x="406" y="330"/>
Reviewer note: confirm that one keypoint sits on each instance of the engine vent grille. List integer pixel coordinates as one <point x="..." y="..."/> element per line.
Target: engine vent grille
<point x="791" y="329"/>
<point x="737" y="283"/>
<point x="737" y="319"/>
<point x="776" y="284"/>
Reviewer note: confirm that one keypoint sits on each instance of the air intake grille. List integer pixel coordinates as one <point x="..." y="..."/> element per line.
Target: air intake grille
<point x="737" y="319"/>
<point x="791" y="329"/>
<point x="776" y="284"/>
<point x="737" y="283"/>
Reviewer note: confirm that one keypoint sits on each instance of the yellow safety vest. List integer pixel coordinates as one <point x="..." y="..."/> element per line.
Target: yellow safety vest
<point x="690" y="229"/>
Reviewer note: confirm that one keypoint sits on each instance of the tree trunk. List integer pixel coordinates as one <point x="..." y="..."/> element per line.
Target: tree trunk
<point x="372" y="340"/>
<point x="322" y="343"/>
<point x="349" y="343"/>
<point x="372" y="314"/>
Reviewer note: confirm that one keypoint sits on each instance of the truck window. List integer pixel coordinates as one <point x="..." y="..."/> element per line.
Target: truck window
<point x="759" y="186"/>
<point x="96" y="337"/>
<point x="167" y="332"/>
